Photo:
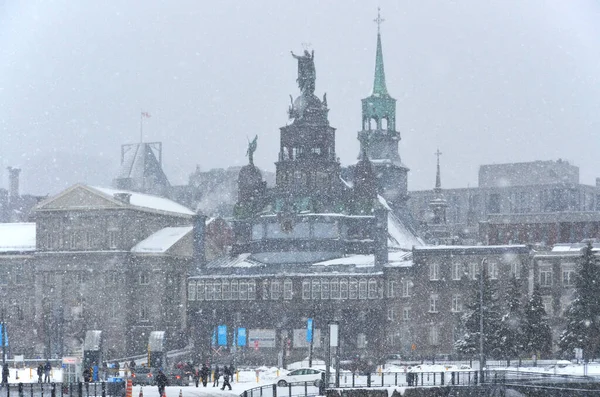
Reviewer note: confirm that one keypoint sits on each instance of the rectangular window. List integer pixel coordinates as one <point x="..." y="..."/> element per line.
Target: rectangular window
<point x="406" y="288"/>
<point x="234" y="290"/>
<point x="251" y="290"/>
<point x="568" y="276"/>
<point x="265" y="289"/>
<point x="545" y="276"/>
<point x="217" y="289"/>
<point x="493" y="270"/>
<point x="306" y="290"/>
<point x="391" y="314"/>
<point x="287" y="289"/>
<point x="324" y="289"/>
<point x="353" y="289"/>
<point x="390" y="292"/>
<point x="344" y="288"/>
<point x="243" y="290"/>
<point x="434" y="271"/>
<point x="406" y="314"/>
<point x="226" y="290"/>
<point x="316" y="289"/>
<point x="474" y="269"/>
<point x="275" y="290"/>
<point x="433" y="304"/>
<point x="192" y="291"/>
<point x="362" y="289"/>
<point x="210" y="292"/>
<point x="19" y="279"/>
<point x="144" y="313"/>
<point x="361" y="341"/>
<point x="48" y="279"/>
<point x="548" y="306"/>
<point x="434" y="335"/>
<point x="112" y="239"/>
<point x="144" y="278"/>
<point x="515" y="270"/>
<point x="334" y="286"/>
<point x="457" y="271"/>
<point x="200" y="291"/>
<point x="457" y="303"/>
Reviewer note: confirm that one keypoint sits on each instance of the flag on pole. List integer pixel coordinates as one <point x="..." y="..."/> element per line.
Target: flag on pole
<point x="146" y="115"/>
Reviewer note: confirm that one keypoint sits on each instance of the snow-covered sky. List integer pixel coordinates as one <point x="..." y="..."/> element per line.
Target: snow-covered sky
<point x="485" y="81"/>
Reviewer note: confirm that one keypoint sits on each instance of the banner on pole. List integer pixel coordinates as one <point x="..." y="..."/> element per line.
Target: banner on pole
<point x="222" y="335"/>
<point x="309" y="330"/>
<point x="241" y="337"/>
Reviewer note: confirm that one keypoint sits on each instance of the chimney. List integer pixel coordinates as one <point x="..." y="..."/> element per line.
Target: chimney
<point x="13" y="183"/>
<point x="199" y="230"/>
<point x="123" y="197"/>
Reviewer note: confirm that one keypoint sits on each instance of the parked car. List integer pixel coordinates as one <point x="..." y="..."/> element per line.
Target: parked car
<point x="300" y="375"/>
<point x="178" y="377"/>
<point x="144" y="376"/>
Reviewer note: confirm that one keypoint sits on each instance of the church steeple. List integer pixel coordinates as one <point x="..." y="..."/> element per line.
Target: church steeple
<point x="379" y="87"/>
<point x="438" y="178"/>
<point x="379" y="137"/>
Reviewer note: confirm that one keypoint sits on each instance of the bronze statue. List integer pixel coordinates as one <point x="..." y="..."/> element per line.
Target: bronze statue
<point x="251" y="149"/>
<point x="306" y="72"/>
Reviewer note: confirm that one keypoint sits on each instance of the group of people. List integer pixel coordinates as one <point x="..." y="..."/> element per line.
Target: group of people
<point x="44" y="370"/>
<point x="203" y="374"/>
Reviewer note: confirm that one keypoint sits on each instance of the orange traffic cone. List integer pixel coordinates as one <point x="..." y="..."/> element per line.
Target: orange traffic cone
<point x="141" y="391"/>
<point x="164" y="394"/>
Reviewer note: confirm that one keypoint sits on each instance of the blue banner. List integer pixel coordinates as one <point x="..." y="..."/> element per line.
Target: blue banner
<point x="222" y="335"/>
<point x="3" y="338"/>
<point x="309" y="330"/>
<point x="241" y="337"/>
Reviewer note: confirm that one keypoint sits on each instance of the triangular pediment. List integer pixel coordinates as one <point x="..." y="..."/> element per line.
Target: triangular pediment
<point x="79" y="197"/>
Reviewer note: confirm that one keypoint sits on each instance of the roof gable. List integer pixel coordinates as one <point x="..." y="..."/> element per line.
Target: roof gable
<point x="78" y="197"/>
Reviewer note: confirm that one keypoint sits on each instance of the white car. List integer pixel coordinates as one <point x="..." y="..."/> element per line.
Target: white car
<point x="300" y="375"/>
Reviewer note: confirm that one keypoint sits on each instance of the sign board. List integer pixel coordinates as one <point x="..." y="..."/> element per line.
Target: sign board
<point x="19" y="358"/>
<point x="334" y="329"/>
<point x="68" y="360"/>
<point x="222" y="335"/>
<point x="299" y="338"/>
<point x="578" y="353"/>
<point x="264" y="337"/>
<point x="309" y="330"/>
<point x="241" y="337"/>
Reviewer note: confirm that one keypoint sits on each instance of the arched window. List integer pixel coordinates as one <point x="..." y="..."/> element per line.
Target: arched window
<point x="384" y="123"/>
<point x="373" y="289"/>
<point x="344" y="288"/>
<point x="362" y="289"/>
<point x="316" y="289"/>
<point x="353" y="289"/>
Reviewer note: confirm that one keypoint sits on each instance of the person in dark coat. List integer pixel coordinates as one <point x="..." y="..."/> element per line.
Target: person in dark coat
<point x="47" y="369"/>
<point x="232" y="372"/>
<point x="204" y="373"/>
<point x="161" y="382"/>
<point x="5" y="374"/>
<point x="196" y="372"/>
<point x="86" y="375"/>
<point x="40" y="372"/>
<point x="216" y="376"/>
<point x="226" y="376"/>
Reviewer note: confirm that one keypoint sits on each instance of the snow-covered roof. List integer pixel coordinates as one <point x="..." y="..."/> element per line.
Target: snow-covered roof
<point x="356" y="260"/>
<point x="162" y="240"/>
<point x="17" y="237"/>
<point x="148" y="201"/>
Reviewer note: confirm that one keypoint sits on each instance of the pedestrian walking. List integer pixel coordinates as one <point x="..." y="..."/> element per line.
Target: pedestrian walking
<point x="196" y="372"/>
<point x="204" y="373"/>
<point x="47" y="369"/>
<point x="216" y="376"/>
<point x="161" y="382"/>
<point x="5" y="374"/>
<point x="232" y="372"/>
<point x="40" y="372"/>
<point x="226" y="375"/>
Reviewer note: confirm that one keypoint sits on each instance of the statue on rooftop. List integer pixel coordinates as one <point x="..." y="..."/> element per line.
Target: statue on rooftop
<point x="306" y="72"/>
<point x="251" y="149"/>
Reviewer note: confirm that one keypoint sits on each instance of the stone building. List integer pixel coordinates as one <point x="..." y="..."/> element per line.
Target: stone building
<point x="540" y="202"/>
<point x="97" y="259"/>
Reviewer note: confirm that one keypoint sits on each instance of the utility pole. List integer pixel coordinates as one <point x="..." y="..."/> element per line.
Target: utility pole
<point x="481" y="355"/>
<point x="3" y="338"/>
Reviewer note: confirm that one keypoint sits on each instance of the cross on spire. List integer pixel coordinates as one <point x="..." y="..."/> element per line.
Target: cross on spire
<point x="379" y="20"/>
<point x="438" y="154"/>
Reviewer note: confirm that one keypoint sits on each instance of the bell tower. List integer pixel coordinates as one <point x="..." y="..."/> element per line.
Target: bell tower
<point x="378" y="137"/>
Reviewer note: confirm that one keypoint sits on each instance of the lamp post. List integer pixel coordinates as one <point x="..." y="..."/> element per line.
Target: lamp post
<point x="3" y="338"/>
<point x="481" y="354"/>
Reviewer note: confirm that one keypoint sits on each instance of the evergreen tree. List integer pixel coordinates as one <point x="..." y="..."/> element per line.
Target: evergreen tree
<point x="511" y="327"/>
<point x="537" y="336"/>
<point x="469" y="343"/>
<point x="583" y="322"/>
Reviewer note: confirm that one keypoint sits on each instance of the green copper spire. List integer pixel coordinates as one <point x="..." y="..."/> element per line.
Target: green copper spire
<point x="379" y="88"/>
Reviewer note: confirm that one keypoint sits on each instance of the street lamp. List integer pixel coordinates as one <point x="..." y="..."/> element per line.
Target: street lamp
<point x="481" y="354"/>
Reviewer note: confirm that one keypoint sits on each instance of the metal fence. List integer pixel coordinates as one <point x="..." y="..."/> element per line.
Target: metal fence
<point x="80" y="389"/>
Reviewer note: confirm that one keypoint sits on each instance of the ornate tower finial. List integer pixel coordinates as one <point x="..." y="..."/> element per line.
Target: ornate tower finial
<point x="379" y="87"/>
<point x="438" y="178"/>
<point x="379" y="20"/>
<point x="251" y="149"/>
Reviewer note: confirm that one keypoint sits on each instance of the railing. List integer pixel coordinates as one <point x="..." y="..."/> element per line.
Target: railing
<point x="55" y="389"/>
<point x="295" y="389"/>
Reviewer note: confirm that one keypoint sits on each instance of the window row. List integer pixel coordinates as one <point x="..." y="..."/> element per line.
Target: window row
<point x="406" y="284"/>
<point x="340" y="289"/>
<point x="546" y="276"/>
<point x="81" y="239"/>
<point x="216" y="290"/>
<point x="472" y="270"/>
<point x="456" y="303"/>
